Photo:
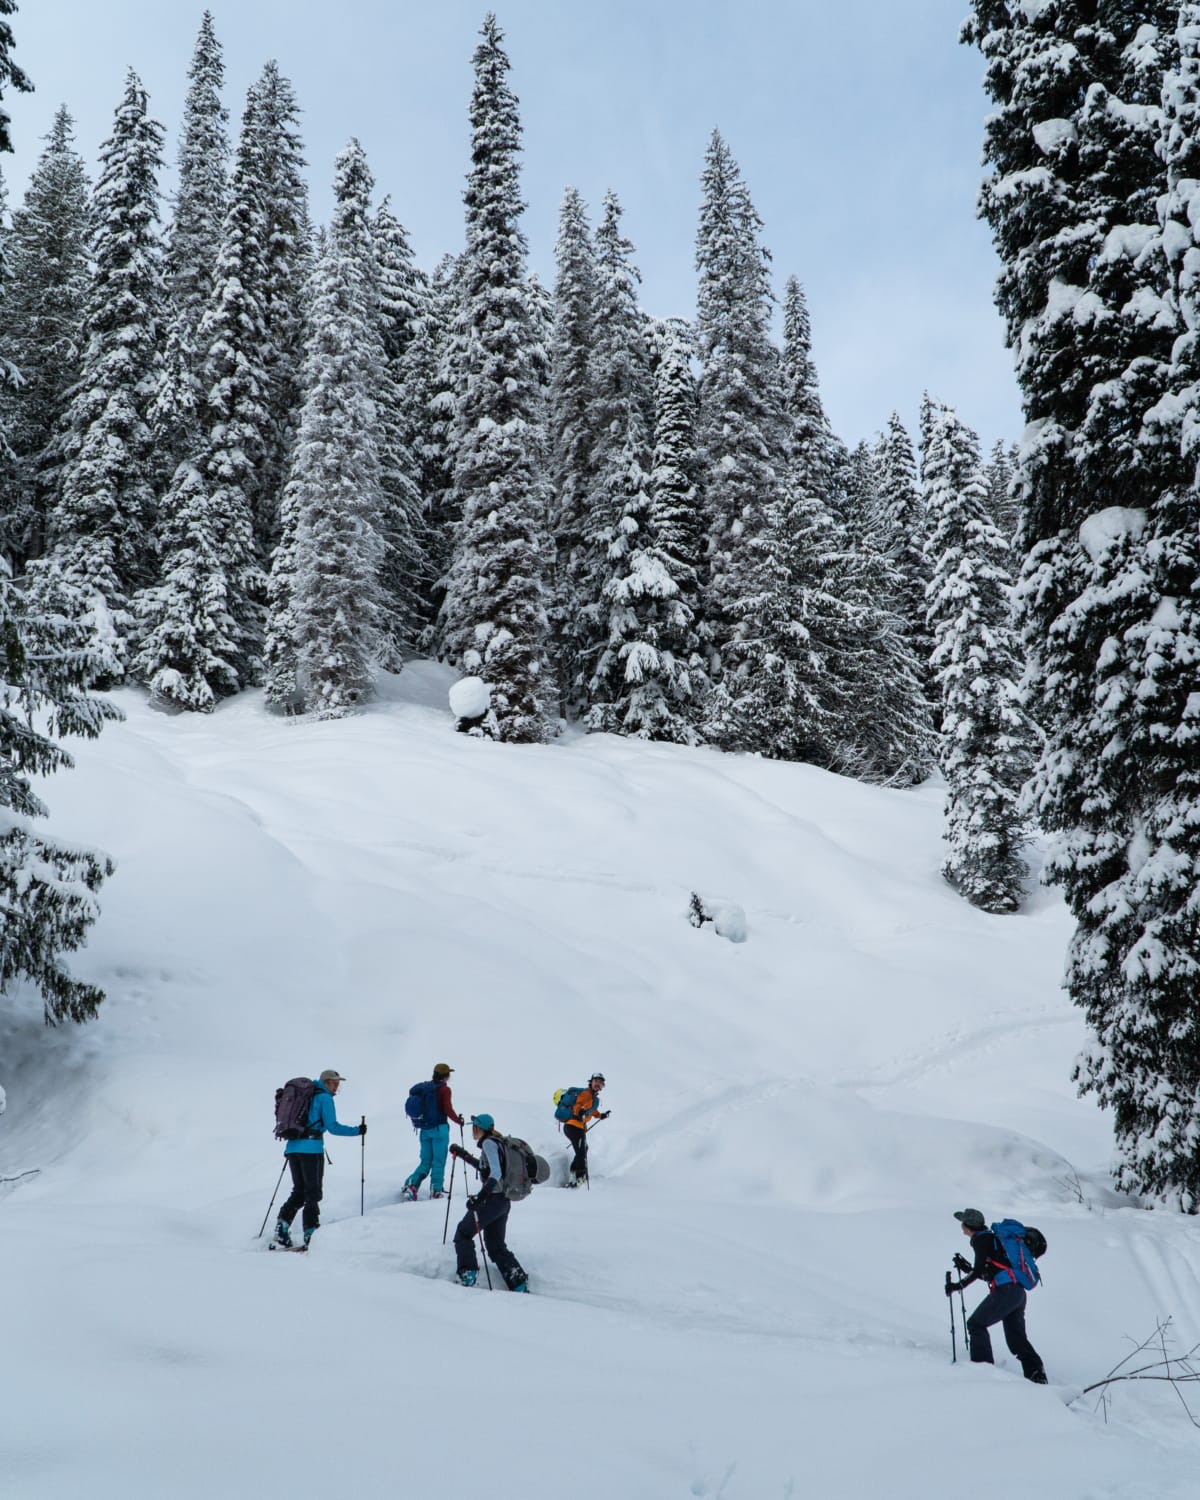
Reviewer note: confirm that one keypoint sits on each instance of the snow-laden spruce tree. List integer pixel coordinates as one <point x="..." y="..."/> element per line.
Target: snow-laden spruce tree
<point x="574" y="615"/>
<point x="887" y="733"/>
<point x="986" y="745"/>
<point x="11" y="76"/>
<point x="493" y="618"/>
<point x="1108" y="540"/>
<point x="436" y="356"/>
<point x="401" y="398"/>
<point x="328" y="624"/>
<point x="193" y="241"/>
<point x="815" y="546"/>
<point x="202" y="620"/>
<point x="902" y="518"/>
<point x="100" y="532"/>
<point x="639" y="575"/>
<point x="1145" y="1060"/>
<point x="1002" y="482"/>
<point x="47" y="889"/>
<point x="283" y="202"/>
<point x="758" y="649"/>
<point x="45" y="288"/>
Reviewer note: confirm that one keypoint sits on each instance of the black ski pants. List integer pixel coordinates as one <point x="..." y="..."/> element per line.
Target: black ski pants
<point x="308" y="1183"/>
<point x="492" y="1217"/>
<point x="577" y="1140"/>
<point x="1004" y="1304"/>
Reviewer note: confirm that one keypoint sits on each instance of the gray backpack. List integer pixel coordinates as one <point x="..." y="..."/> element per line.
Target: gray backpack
<point x="522" y="1168"/>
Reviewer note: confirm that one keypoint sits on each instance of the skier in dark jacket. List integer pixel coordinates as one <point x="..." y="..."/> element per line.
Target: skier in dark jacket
<point x="1004" y="1303"/>
<point x="306" y="1158"/>
<point x="487" y="1210"/>
<point x="586" y="1107"/>
<point x="435" y="1136"/>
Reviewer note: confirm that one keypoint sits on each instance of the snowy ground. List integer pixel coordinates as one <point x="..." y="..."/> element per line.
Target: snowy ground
<point x="747" y="1305"/>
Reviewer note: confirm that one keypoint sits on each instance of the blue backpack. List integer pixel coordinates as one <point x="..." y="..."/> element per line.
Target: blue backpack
<point x="1019" y="1244"/>
<point x="564" y="1103"/>
<point x="421" y="1106"/>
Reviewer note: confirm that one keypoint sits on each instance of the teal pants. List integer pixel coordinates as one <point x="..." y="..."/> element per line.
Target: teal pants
<point x="434" y="1145"/>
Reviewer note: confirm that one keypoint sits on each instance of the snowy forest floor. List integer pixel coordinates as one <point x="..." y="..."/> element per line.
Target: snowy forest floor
<point x="747" y="1305"/>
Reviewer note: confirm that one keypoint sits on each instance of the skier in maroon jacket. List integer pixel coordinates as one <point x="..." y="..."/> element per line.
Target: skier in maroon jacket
<point x="435" y="1134"/>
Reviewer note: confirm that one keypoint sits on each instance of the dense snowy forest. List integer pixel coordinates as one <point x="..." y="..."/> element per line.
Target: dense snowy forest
<point x="241" y="449"/>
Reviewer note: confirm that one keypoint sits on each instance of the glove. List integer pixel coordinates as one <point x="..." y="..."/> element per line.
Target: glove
<point x="456" y="1149"/>
<point x="604" y="1114"/>
<point x="473" y="1201"/>
<point x="963" y="1265"/>
<point x="362" y="1129"/>
<point x="459" y="1120"/>
<point x="952" y="1287"/>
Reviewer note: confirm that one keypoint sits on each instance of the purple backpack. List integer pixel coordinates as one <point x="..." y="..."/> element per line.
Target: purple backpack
<point x="292" y="1104"/>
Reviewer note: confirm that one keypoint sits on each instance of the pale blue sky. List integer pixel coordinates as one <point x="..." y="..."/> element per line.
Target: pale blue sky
<point x="857" y="124"/>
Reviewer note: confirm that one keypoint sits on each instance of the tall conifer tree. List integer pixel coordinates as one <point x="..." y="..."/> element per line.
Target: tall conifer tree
<point x="44" y="311"/>
<point x="494" y="613"/>
<point x="1108" y="535"/>
<point x="192" y="246"/>
<point x="986" y="744"/>
<point x="101" y="547"/>
<point x="328" y="622"/>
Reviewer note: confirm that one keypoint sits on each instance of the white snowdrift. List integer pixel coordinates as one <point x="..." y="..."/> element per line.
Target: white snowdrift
<point x="746" y="1305"/>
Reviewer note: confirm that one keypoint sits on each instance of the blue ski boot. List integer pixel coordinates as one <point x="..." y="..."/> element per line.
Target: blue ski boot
<point x="467" y="1278"/>
<point x="283" y="1234"/>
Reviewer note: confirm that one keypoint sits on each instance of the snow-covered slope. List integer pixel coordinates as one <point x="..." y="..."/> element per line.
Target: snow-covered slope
<point x="748" y="1302"/>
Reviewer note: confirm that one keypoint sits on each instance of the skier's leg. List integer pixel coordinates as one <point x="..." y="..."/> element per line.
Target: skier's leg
<point x="978" y="1323"/>
<point x="494" y="1219"/>
<point x="417" y="1177"/>
<point x="1018" y="1340"/>
<point x="314" y="1187"/>
<point x="295" y="1201"/>
<point x="464" y="1243"/>
<point x="439" y="1142"/>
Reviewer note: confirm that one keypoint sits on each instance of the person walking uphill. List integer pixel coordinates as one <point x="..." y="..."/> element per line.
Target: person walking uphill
<point x="430" y="1108"/>
<point x="584" y="1107"/>
<point x="487" y="1210"/>
<point x="306" y="1158"/>
<point x="1004" y="1303"/>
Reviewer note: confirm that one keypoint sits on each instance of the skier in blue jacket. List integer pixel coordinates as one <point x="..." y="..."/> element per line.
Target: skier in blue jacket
<point x="306" y="1159"/>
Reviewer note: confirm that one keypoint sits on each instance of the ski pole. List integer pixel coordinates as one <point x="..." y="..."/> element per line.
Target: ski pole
<point x="487" y="1270"/>
<point x="449" y="1197"/>
<point x="362" y="1181"/>
<point x="953" y="1325"/>
<point x="962" y="1302"/>
<point x="271" y="1205"/>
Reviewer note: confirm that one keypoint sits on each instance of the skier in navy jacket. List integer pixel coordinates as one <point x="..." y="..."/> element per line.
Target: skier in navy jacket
<point x="1004" y="1303"/>
<point x="306" y="1158"/>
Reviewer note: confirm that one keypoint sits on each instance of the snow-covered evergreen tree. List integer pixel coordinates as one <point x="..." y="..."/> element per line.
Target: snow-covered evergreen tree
<point x="100" y="531"/>
<point x="11" y="76"/>
<point x="401" y="397"/>
<point x="759" y="649"/>
<point x="494" y="613"/>
<point x="203" y="619"/>
<point x="640" y="683"/>
<point x="887" y="734"/>
<point x="45" y="287"/>
<point x="986" y="745"/>
<point x="47" y="889"/>
<point x="902" y="519"/>
<point x="1001" y="476"/>
<point x="284" y="206"/>
<point x="193" y="243"/>
<point x="573" y="615"/>
<point x="1109" y="541"/>
<point x="328" y="623"/>
<point x="812" y="446"/>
